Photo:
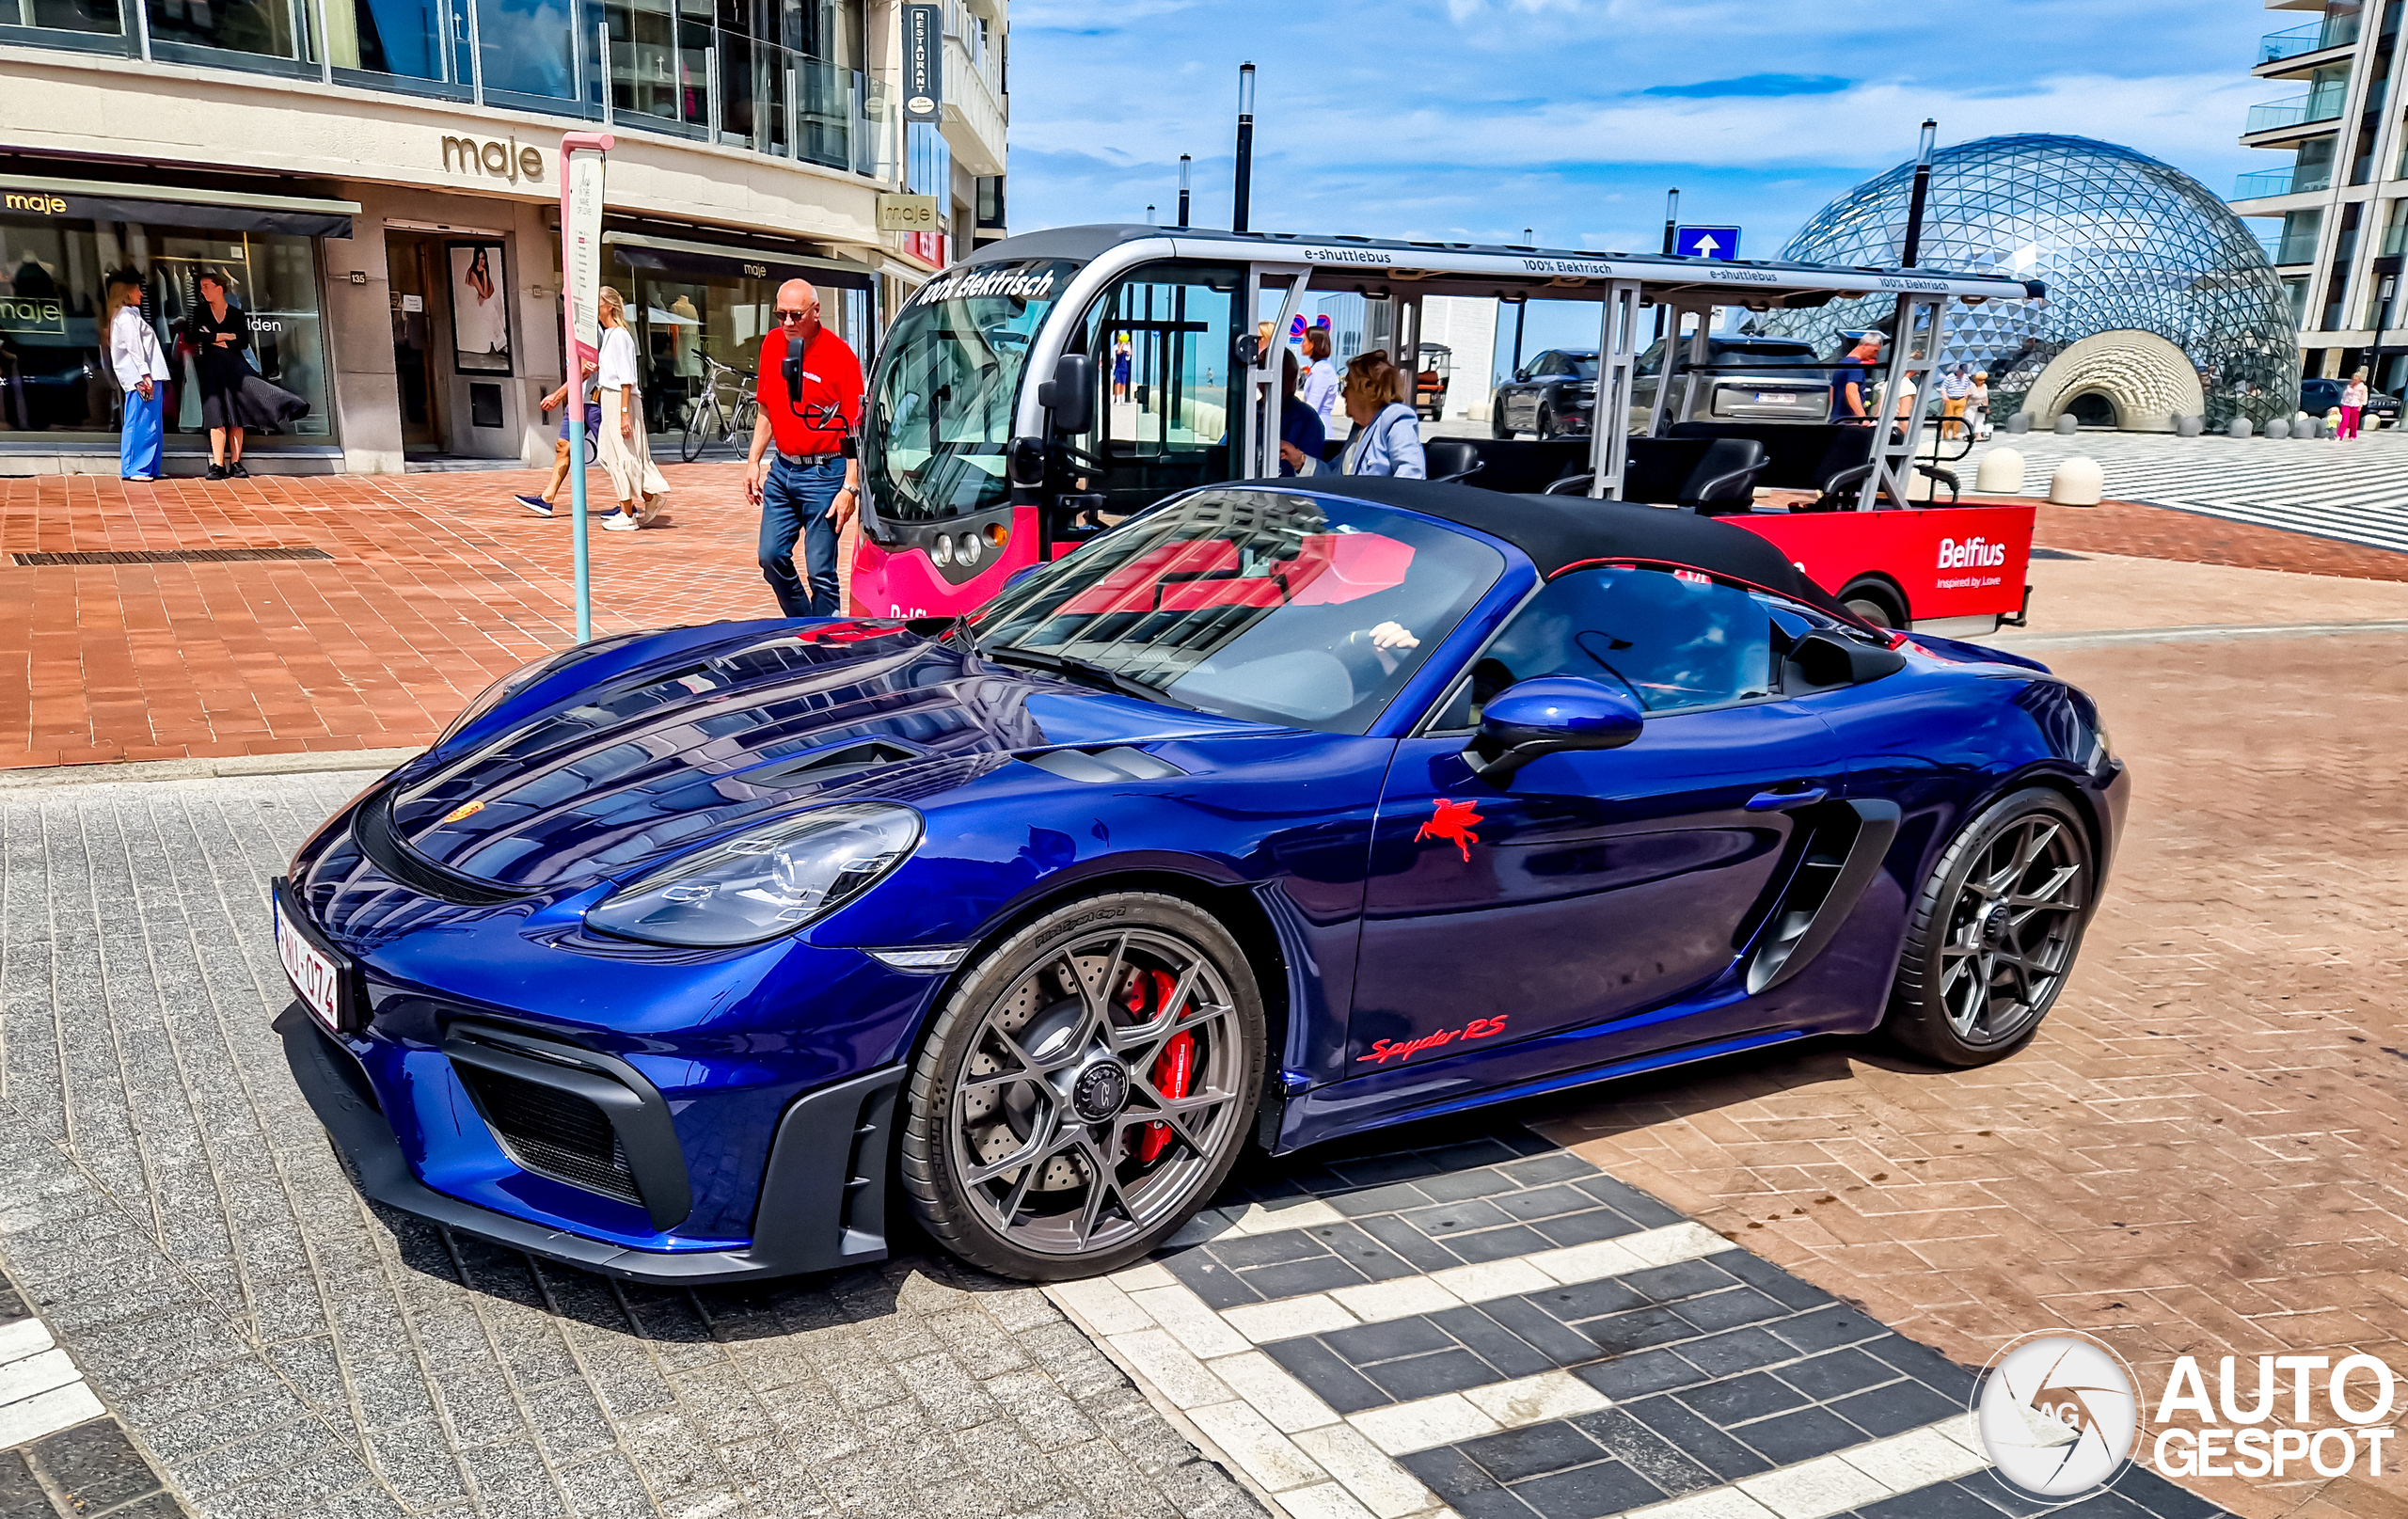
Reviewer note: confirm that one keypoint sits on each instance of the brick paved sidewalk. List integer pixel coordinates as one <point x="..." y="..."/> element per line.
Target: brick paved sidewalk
<point x="435" y="584"/>
<point x="2201" y="1152"/>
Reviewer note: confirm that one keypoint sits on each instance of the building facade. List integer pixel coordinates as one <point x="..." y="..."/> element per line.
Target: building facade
<point x="2337" y="195"/>
<point x="378" y="182"/>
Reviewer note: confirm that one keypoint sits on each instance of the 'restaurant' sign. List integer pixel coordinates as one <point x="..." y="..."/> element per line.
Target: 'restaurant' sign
<point x="923" y="62"/>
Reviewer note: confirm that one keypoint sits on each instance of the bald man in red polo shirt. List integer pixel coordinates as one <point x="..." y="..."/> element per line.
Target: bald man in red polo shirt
<point x="810" y="489"/>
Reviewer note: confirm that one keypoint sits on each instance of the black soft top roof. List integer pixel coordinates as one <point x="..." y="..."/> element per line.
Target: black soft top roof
<point x="1560" y="531"/>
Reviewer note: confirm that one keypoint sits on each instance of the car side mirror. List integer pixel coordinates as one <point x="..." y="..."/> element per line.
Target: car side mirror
<point x="1830" y="659"/>
<point x="1069" y="395"/>
<point x="1549" y="716"/>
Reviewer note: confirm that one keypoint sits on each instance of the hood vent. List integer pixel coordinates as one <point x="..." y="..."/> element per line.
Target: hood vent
<point x="1106" y="767"/>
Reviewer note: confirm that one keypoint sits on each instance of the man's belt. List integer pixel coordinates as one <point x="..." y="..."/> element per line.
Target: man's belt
<point x="810" y="461"/>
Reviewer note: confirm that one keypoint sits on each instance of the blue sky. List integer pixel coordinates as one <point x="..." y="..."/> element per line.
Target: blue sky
<point x="1474" y="118"/>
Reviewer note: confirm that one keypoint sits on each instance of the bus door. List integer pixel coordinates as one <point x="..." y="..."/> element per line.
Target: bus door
<point x="1168" y="379"/>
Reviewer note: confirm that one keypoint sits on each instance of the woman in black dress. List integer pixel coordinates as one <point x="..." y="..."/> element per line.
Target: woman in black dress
<point x="233" y="396"/>
<point x="219" y="333"/>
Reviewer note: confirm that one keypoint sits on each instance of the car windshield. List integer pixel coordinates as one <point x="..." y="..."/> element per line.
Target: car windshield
<point x="940" y="405"/>
<point x="1254" y="604"/>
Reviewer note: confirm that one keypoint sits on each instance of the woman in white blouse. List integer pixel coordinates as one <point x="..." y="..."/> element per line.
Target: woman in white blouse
<point x="141" y="372"/>
<point x="627" y="452"/>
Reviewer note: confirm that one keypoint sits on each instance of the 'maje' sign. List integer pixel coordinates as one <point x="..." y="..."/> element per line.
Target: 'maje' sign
<point x="501" y="160"/>
<point x="40" y="202"/>
<point x="32" y="313"/>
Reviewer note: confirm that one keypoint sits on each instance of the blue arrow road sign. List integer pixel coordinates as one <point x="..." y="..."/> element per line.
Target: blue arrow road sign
<point x="1706" y="243"/>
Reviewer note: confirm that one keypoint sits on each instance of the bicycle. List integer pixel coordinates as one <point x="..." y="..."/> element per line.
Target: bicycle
<point x="715" y="419"/>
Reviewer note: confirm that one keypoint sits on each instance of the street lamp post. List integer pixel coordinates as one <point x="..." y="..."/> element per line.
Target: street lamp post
<point x="1913" y="250"/>
<point x="1186" y="167"/>
<point x="1245" y="197"/>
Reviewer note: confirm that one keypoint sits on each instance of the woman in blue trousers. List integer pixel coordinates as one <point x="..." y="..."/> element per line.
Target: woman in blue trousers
<point x="141" y="372"/>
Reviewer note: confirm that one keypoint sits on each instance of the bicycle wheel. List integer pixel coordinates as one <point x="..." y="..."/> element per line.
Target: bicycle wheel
<point x="700" y="423"/>
<point x="741" y="422"/>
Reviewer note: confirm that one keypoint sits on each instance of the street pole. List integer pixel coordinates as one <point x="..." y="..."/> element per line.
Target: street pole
<point x="1913" y="250"/>
<point x="583" y="156"/>
<point x="1149" y="218"/>
<point x="1245" y="197"/>
<point x="1186" y="166"/>
<point x="1522" y="306"/>
<point x="2382" y="323"/>
<point x="1671" y="221"/>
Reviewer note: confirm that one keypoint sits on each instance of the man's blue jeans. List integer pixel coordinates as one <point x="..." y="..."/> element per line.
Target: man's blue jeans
<point x="794" y="502"/>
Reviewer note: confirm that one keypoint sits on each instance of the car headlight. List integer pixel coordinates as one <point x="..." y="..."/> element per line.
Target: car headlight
<point x="769" y="880"/>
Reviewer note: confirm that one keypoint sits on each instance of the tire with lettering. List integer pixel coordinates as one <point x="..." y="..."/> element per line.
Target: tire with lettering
<point x="1086" y="1089"/>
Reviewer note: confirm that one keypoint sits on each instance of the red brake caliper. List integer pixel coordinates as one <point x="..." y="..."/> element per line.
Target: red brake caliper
<point x="1174" y="1071"/>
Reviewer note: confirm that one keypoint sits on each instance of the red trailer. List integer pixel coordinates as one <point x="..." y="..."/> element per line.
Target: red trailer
<point x="1955" y="571"/>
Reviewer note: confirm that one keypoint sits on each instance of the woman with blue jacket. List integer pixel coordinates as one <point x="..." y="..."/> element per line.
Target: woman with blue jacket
<point x="1388" y="431"/>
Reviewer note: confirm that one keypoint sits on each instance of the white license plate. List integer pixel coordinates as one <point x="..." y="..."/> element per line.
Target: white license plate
<point x="1776" y="398"/>
<point x="313" y="976"/>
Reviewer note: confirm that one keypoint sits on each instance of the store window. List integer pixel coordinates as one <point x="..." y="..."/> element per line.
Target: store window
<point x="54" y="373"/>
<point x="685" y="310"/>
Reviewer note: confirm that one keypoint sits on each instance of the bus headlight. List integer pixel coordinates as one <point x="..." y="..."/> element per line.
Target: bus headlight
<point x="972" y="549"/>
<point x="942" y="552"/>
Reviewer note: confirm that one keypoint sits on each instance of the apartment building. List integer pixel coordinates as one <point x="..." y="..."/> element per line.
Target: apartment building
<point x="2340" y="190"/>
<point x="378" y="180"/>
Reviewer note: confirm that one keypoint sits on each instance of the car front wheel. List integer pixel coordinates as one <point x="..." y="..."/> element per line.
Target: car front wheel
<point x="1994" y="932"/>
<point x="1086" y="1089"/>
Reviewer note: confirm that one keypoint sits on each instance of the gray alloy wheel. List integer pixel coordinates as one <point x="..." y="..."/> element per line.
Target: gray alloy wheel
<point x="1048" y="1133"/>
<point x="1995" y="932"/>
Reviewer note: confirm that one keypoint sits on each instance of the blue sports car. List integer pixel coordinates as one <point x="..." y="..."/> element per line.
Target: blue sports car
<point x="1272" y="815"/>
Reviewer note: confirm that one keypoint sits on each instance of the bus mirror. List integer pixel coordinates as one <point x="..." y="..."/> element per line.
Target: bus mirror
<point x="1249" y="351"/>
<point x="1069" y="395"/>
<point x="1027" y="456"/>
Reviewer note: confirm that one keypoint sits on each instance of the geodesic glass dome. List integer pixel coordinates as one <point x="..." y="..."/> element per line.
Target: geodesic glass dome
<point x="2123" y="243"/>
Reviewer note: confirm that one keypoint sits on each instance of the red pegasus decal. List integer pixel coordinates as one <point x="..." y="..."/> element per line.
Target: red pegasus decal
<point x="1453" y="821"/>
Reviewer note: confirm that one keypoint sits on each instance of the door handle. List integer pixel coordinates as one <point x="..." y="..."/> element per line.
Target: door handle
<point x="1782" y="798"/>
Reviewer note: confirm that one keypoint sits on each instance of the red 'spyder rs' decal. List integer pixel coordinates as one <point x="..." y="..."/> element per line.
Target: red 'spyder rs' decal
<point x="1384" y="1051"/>
<point x="1452" y="821"/>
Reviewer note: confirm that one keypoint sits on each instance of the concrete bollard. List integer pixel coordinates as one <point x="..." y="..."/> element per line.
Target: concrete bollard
<point x="2020" y="422"/>
<point x="2001" y="474"/>
<point x="2240" y="428"/>
<point x="2067" y="425"/>
<point x="2278" y="427"/>
<point x="2190" y="426"/>
<point x="2078" y="481"/>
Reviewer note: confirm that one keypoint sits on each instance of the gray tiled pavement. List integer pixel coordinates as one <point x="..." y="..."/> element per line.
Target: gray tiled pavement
<point x="169" y="1204"/>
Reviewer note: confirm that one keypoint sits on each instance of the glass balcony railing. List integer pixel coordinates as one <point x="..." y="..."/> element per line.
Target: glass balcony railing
<point x="2298" y="247"/>
<point x="2323" y="104"/>
<point x="2336" y="30"/>
<point x="634" y="64"/>
<point x="2290" y="180"/>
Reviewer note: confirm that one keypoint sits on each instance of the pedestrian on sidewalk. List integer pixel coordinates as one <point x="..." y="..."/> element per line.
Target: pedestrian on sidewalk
<point x="1977" y="406"/>
<point x="542" y="505"/>
<point x="627" y="450"/>
<point x="2353" y="404"/>
<point x="234" y="396"/>
<point x="811" y="488"/>
<point x="141" y="370"/>
<point x="1955" y="395"/>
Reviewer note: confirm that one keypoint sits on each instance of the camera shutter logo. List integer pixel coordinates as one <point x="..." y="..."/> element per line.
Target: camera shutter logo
<point x="2057" y="1416"/>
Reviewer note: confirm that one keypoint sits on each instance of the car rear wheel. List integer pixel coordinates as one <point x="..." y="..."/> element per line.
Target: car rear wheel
<point x="1545" y="427"/>
<point x="1994" y="933"/>
<point x="1085" y="1089"/>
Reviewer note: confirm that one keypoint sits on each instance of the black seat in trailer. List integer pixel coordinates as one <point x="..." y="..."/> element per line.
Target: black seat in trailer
<point x="1709" y="475"/>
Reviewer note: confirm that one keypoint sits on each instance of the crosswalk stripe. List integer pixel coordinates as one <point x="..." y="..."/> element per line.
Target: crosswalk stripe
<point x="1204" y="1361"/>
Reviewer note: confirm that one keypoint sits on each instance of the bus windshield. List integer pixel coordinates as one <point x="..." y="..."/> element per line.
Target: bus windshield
<point x="940" y="421"/>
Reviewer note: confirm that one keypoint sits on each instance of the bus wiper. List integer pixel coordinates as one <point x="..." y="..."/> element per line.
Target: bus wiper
<point x="1089" y="672"/>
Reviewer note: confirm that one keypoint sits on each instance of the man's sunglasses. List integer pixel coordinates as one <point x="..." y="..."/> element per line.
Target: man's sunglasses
<point x="792" y="316"/>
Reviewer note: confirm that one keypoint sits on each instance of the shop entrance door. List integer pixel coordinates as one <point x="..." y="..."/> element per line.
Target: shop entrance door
<point x="409" y="262"/>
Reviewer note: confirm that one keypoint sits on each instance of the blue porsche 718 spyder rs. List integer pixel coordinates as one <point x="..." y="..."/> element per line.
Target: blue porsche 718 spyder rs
<point x="1272" y="815"/>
